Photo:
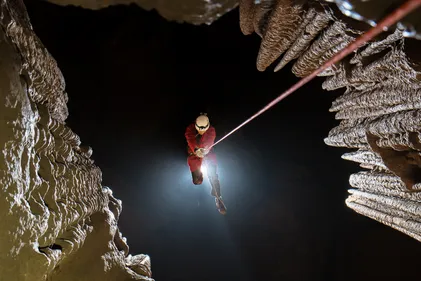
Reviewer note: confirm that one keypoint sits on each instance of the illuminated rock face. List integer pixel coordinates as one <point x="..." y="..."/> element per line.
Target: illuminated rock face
<point x="190" y="11"/>
<point x="379" y="112"/>
<point x="57" y="221"/>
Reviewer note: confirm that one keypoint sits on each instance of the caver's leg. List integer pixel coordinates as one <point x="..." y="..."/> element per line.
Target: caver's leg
<point x="195" y="164"/>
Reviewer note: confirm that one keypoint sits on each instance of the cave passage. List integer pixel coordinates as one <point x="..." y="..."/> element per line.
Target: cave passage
<point x="135" y="81"/>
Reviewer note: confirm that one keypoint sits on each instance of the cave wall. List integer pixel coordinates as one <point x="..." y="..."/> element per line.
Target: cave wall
<point x="57" y="221"/>
<point x="189" y="11"/>
<point x="379" y="111"/>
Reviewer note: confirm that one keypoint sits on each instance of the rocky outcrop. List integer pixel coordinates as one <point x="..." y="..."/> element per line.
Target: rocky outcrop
<point x="380" y="110"/>
<point x="189" y="11"/>
<point x="372" y="11"/>
<point x="57" y="221"/>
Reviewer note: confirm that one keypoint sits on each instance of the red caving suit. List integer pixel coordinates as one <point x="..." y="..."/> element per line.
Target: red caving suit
<point x="195" y="140"/>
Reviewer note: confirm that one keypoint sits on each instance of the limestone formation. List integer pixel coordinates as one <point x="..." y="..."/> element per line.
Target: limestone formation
<point x="379" y="112"/>
<point x="190" y="11"/>
<point x="371" y="12"/>
<point x="57" y="221"/>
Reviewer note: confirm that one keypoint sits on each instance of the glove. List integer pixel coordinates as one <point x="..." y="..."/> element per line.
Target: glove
<point x="201" y="152"/>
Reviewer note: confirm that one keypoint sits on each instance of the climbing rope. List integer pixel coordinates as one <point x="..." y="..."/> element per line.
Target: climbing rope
<point x="383" y="25"/>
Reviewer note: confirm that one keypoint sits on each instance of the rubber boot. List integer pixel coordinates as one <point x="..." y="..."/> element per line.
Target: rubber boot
<point x="216" y="192"/>
<point x="220" y="206"/>
<point x="197" y="177"/>
<point x="216" y="189"/>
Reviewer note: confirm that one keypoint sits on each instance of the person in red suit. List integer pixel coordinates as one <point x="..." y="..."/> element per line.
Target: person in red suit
<point x="200" y="137"/>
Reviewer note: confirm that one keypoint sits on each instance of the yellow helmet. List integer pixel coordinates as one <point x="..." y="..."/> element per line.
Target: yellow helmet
<point x="202" y="123"/>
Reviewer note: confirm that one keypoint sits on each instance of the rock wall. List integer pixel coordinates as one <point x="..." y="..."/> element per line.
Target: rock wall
<point x="207" y="11"/>
<point x="57" y="221"/>
<point x="379" y="112"/>
<point x="372" y="11"/>
<point x="189" y="11"/>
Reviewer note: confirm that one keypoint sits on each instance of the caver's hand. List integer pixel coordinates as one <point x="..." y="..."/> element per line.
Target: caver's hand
<point x="200" y="152"/>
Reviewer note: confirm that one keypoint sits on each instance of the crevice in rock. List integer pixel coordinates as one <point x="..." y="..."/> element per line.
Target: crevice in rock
<point x="43" y="249"/>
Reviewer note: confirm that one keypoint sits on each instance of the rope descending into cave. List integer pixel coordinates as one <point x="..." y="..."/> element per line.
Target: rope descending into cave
<point x="383" y="25"/>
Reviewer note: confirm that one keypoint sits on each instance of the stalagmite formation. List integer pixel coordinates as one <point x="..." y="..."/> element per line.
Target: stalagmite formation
<point x="57" y="221"/>
<point x="379" y="112"/>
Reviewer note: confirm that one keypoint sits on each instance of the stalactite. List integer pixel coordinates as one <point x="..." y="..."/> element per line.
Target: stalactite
<point x="404" y="225"/>
<point x="365" y="157"/>
<point x="283" y="27"/>
<point x="369" y="179"/>
<point x="378" y="101"/>
<point x="246" y="16"/>
<point x="318" y="21"/>
<point x="332" y="40"/>
<point x="379" y="112"/>
<point x="262" y="13"/>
